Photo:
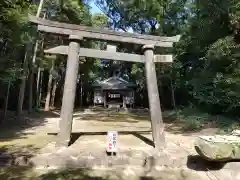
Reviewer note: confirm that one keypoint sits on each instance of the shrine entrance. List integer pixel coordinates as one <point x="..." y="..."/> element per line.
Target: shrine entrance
<point x="114" y="99"/>
<point x="78" y="34"/>
<point x="114" y="92"/>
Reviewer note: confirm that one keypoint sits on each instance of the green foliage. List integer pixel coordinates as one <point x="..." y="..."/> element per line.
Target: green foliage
<point x="15" y="33"/>
<point x="192" y="119"/>
<point x="205" y="71"/>
<point x="220" y="90"/>
<point x="142" y="16"/>
<point x="100" y="21"/>
<point x="206" y="67"/>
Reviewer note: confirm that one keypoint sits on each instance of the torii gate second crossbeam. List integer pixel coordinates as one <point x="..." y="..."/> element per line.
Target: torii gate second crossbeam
<point x="76" y="34"/>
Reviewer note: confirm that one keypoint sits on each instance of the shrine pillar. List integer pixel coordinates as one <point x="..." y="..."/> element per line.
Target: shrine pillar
<point x="153" y="96"/>
<point x="124" y="101"/>
<point x="105" y="99"/>
<point x="66" y="117"/>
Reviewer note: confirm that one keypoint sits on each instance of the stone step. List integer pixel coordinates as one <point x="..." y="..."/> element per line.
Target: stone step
<point x="133" y="158"/>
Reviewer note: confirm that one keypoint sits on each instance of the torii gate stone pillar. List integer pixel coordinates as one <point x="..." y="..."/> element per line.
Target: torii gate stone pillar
<point x="153" y="98"/>
<point x="107" y="35"/>
<point x="66" y="117"/>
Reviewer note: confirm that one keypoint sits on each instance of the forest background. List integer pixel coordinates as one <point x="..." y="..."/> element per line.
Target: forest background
<point x="203" y="80"/>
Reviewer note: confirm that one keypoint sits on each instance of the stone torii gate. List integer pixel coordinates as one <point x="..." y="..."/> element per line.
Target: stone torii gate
<point x="76" y="34"/>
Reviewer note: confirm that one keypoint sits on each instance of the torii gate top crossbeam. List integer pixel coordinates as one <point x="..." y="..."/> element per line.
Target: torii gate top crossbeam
<point x="101" y="34"/>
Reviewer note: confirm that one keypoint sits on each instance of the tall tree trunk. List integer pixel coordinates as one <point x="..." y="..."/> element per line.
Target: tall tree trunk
<point x="32" y="67"/>
<point x="6" y="102"/>
<point x="23" y="84"/>
<point x="50" y="80"/>
<point x="53" y="93"/>
<point x="173" y="94"/>
<point x="38" y="88"/>
<point x="61" y="88"/>
<point x="39" y="77"/>
<point x="39" y="80"/>
<point x="30" y="96"/>
<point x="81" y="95"/>
<point x="39" y="8"/>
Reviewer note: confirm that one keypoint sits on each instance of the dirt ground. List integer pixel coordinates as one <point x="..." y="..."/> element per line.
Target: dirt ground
<point x="19" y="144"/>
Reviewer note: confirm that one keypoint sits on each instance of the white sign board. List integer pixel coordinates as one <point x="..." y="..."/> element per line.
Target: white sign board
<point x="112" y="141"/>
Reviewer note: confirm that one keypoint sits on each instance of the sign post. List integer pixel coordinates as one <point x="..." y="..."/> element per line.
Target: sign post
<point x="112" y="141"/>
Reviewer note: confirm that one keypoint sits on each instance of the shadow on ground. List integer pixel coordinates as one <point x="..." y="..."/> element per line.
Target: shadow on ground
<point x="16" y="173"/>
<point x="186" y="121"/>
<point x="13" y="128"/>
<point x="16" y="155"/>
<point x="112" y="116"/>
<point x="180" y="121"/>
<point x="24" y="173"/>
<point x="197" y="163"/>
<point x="78" y="174"/>
<point x="84" y="174"/>
<point x="138" y="134"/>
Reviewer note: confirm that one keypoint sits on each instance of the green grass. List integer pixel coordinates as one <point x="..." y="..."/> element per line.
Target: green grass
<point x="193" y="119"/>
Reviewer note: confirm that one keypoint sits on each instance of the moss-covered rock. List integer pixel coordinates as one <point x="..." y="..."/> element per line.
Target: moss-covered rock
<point x="218" y="148"/>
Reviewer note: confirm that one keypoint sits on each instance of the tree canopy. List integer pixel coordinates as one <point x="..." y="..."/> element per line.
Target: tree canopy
<point x="206" y="68"/>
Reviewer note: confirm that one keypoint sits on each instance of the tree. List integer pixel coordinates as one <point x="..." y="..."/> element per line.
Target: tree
<point x="205" y="71"/>
<point x="15" y="34"/>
